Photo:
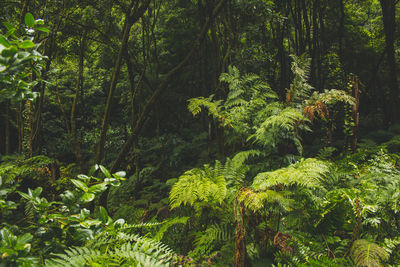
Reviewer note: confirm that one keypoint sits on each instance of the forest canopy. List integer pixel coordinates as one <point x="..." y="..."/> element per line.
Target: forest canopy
<point x="199" y="133"/>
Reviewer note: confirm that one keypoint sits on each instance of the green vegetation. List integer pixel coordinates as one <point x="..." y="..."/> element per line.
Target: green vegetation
<point x="250" y="133"/>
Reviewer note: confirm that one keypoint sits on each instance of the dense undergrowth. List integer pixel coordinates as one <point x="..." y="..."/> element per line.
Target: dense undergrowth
<point x="266" y="204"/>
<point x="288" y="180"/>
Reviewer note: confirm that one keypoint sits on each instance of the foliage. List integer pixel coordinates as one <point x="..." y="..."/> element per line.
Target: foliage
<point x="366" y="253"/>
<point x="18" y="59"/>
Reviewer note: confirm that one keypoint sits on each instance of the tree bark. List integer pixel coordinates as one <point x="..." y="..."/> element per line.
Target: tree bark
<point x="389" y="25"/>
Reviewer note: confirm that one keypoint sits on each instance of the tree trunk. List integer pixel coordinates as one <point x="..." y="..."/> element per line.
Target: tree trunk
<point x="7" y="129"/>
<point x="389" y="25"/>
<point x="78" y="90"/>
<point x="143" y="116"/>
<point x="130" y="19"/>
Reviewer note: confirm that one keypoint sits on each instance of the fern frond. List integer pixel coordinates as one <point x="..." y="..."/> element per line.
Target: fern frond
<point x="74" y="257"/>
<point x="255" y="200"/>
<point x="167" y="225"/>
<point x="242" y="156"/>
<point x="300" y="89"/>
<point x="307" y="173"/>
<point x="206" y="185"/>
<point x="366" y="253"/>
<point x="206" y="240"/>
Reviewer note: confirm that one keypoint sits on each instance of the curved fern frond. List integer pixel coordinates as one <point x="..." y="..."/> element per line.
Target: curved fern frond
<point x="75" y="257"/>
<point x="122" y="250"/>
<point x="366" y="253"/>
<point x="307" y="173"/>
<point x="206" y="240"/>
<point x="206" y="185"/>
<point x="255" y="201"/>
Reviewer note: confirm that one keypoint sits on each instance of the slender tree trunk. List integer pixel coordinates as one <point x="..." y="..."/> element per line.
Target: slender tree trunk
<point x="7" y="129"/>
<point x="355" y="114"/>
<point x="143" y="116"/>
<point x="130" y="19"/>
<point x="78" y="93"/>
<point x="389" y="25"/>
<point x="27" y="129"/>
<point x="341" y="29"/>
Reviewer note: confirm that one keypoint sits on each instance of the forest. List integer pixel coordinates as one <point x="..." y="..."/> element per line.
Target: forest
<point x="200" y="133"/>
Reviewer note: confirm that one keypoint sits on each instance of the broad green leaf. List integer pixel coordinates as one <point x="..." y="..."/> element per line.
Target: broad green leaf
<point x="27" y="44"/>
<point x="4" y="41"/>
<point x="80" y="185"/>
<point x="105" y="171"/>
<point x="39" y="22"/>
<point x="87" y="197"/>
<point x="121" y="174"/>
<point x="29" y="20"/>
<point x="83" y="177"/>
<point x="8" y="237"/>
<point x="43" y="29"/>
<point x="93" y="169"/>
<point x="9" y="52"/>
<point x="98" y="188"/>
<point x="104" y="215"/>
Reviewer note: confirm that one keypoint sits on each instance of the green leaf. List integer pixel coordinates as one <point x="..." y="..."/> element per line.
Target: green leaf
<point x="121" y="174"/>
<point x="24" y="195"/>
<point x="4" y="41"/>
<point x="80" y="185"/>
<point x="24" y="238"/>
<point x="9" y="52"/>
<point x="104" y="215"/>
<point x="39" y="22"/>
<point x="83" y="177"/>
<point x="87" y="197"/>
<point x="93" y="169"/>
<point x="98" y="188"/>
<point x="8" y="238"/>
<point x="26" y="44"/>
<point x="29" y="20"/>
<point x="105" y="171"/>
<point x="8" y="25"/>
<point x="43" y="29"/>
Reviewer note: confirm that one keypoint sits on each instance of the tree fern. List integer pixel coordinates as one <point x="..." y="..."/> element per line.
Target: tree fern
<point x="368" y="254"/>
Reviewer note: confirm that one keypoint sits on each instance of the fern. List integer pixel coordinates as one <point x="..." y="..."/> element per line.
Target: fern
<point x="206" y="185"/>
<point x="74" y="257"/>
<point x="307" y="173"/>
<point x="366" y="253"/>
<point x="206" y="241"/>
<point x="300" y="89"/>
<point x="121" y="250"/>
<point x="210" y="184"/>
<point x="255" y="201"/>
